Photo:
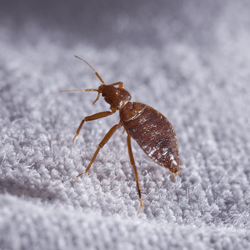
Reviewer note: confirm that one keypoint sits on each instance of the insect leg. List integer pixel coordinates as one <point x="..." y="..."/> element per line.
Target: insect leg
<point x="91" y="118"/>
<point x="124" y="130"/>
<point x="132" y="161"/>
<point x="121" y="84"/>
<point x="101" y="144"/>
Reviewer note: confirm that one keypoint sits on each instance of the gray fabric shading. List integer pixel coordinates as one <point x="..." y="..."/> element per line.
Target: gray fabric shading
<point x="188" y="60"/>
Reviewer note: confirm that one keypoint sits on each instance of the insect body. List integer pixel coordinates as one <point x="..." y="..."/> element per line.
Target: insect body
<point x="150" y="129"/>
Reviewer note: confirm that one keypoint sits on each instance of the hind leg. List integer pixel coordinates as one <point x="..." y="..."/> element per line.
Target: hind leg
<point x="132" y="161"/>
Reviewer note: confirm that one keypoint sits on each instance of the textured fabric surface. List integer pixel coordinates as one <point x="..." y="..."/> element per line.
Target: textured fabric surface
<point x="187" y="59"/>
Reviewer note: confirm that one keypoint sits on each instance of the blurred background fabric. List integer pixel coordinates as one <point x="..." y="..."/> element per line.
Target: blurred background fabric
<point x="190" y="60"/>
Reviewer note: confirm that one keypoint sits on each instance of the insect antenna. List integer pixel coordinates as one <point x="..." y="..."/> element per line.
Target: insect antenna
<point x="92" y="69"/>
<point x="86" y="90"/>
<point x="73" y="90"/>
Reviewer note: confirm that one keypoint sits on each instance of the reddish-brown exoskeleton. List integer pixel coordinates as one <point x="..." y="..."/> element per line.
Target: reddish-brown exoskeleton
<point x="149" y="128"/>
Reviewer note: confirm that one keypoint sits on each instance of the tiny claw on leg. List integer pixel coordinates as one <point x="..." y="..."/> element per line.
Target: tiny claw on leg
<point x="141" y="206"/>
<point x="74" y="137"/>
<point x="80" y="174"/>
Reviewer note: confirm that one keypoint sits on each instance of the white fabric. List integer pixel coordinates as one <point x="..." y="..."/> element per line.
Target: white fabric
<point x="194" y="69"/>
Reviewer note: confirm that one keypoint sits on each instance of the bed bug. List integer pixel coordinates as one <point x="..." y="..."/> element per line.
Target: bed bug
<point x="149" y="128"/>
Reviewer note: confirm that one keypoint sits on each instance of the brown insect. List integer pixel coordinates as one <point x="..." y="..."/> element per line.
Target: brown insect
<point x="149" y="128"/>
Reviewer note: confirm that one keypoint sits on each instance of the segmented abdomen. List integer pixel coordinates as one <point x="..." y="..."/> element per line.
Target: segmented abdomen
<point x="154" y="134"/>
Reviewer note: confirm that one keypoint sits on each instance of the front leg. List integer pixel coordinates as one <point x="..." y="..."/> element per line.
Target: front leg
<point x="93" y="117"/>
